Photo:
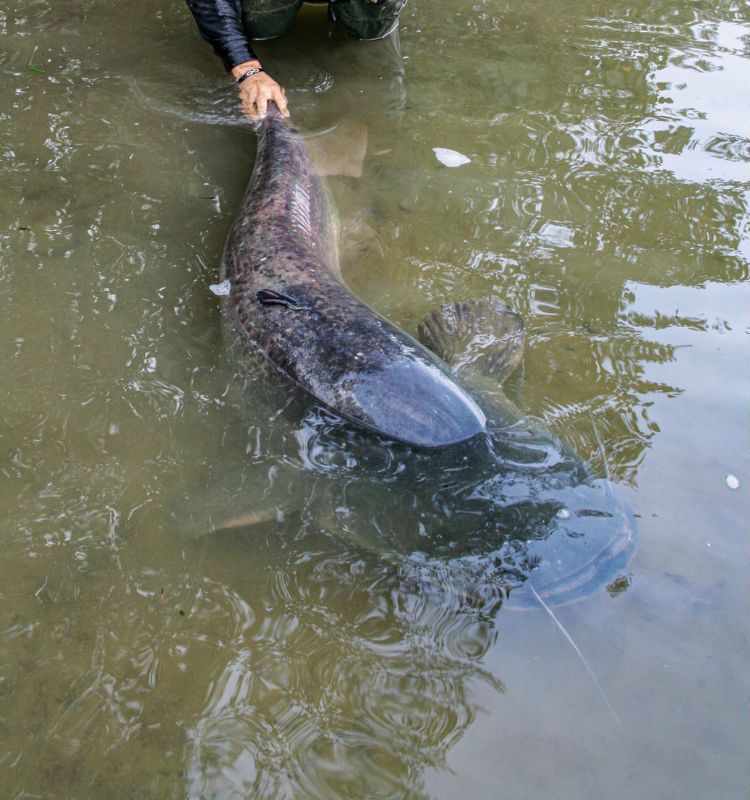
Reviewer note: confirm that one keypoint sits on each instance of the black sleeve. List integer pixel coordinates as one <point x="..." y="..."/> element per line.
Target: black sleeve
<point x="220" y="24"/>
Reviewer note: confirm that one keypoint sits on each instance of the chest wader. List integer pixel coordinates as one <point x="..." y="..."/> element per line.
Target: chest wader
<point x="365" y="20"/>
<point x="361" y="19"/>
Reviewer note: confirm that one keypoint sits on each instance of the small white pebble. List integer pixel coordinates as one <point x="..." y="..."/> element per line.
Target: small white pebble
<point x="732" y="482"/>
<point x="563" y="513"/>
<point x="451" y="158"/>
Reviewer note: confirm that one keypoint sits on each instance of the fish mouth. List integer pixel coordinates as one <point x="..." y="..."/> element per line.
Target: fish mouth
<point x="593" y="574"/>
<point x="415" y="403"/>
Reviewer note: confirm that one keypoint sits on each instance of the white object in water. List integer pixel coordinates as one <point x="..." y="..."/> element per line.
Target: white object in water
<point x="451" y="158"/>
<point x="220" y="289"/>
<point x="732" y="482"/>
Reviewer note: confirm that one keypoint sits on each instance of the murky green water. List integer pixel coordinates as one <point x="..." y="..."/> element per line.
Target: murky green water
<point x="606" y="200"/>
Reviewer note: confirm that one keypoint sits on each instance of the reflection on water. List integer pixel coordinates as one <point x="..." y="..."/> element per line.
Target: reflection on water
<point x="356" y="639"/>
<point x="313" y="700"/>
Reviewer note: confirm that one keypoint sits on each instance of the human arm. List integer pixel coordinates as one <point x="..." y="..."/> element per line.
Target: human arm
<point x="220" y="24"/>
<point x="258" y="90"/>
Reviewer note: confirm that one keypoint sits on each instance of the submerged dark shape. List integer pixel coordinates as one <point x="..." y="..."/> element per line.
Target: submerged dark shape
<point x="499" y="521"/>
<point x="503" y="520"/>
<point x="287" y="301"/>
<point x="559" y="545"/>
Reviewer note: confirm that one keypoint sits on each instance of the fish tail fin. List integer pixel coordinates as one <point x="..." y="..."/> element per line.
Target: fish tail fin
<point x="482" y="337"/>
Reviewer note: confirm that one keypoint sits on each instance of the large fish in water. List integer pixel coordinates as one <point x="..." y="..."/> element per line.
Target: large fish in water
<point x="529" y="520"/>
<point x="287" y="300"/>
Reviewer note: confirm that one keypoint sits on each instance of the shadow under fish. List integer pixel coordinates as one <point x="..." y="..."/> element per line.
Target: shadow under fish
<point x="504" y="518"/>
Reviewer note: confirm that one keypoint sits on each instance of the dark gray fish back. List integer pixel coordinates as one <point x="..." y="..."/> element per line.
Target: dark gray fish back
<point x="482" y="336"/>
<point x="287" y="300"/>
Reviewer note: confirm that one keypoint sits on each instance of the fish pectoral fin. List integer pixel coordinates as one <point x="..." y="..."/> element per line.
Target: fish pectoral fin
<point x="483" y="337"/>
<point x="269" y="297"/>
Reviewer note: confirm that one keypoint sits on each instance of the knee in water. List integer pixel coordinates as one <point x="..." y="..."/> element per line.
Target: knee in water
<point x="267" y="19"/>
<point x="364" y="19"/>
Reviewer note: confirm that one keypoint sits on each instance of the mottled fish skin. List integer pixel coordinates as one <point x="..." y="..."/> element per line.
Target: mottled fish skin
<point x="335" y="347"/>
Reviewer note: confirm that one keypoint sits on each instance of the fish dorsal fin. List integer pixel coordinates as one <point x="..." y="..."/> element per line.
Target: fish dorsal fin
<point x="300" y="211"/>
<point x="481" y="337"/>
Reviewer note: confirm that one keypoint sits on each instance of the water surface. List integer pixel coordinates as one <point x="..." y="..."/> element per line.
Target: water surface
<point x="606" y="200"/>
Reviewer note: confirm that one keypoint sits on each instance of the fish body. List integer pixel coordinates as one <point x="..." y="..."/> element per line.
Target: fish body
<point x="529" y="522"/>
<point x="287" y="300"/>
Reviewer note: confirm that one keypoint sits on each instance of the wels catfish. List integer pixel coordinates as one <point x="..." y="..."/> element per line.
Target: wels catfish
<point x="521" y="515"/>
<point x="287" y="300"/>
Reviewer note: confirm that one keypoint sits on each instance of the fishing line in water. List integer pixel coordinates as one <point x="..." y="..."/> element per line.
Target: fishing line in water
<point x="549" y="611"/>
<point x="578" y="652"/>
<point x="599" y="442"/>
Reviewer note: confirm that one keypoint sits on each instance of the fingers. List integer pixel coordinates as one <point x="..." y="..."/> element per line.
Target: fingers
<point x="281" y="102"/>
<point x="257" y="92"/>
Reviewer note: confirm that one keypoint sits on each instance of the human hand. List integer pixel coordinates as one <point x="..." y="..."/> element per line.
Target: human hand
<point x="257" y="91"/>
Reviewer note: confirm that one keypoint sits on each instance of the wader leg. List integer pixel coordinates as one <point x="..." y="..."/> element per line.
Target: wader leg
<point x="365" y="20"/>
<point x="267" y="19"/>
